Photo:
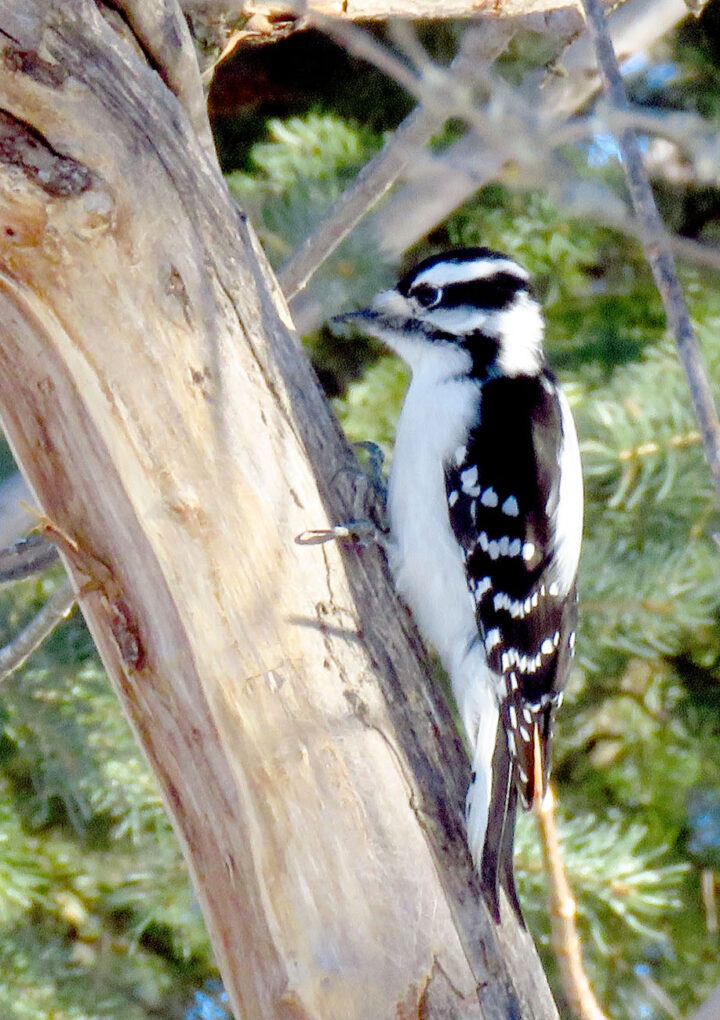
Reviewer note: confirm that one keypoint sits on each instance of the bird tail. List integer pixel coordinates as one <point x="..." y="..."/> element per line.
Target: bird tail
<point x="491" y="808"/>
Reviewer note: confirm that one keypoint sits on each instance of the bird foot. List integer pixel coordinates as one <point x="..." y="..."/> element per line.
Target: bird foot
<point x="366" y="526"/>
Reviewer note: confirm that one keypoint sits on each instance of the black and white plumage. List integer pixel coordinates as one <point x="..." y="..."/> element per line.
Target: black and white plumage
<point x="485" y="504"/>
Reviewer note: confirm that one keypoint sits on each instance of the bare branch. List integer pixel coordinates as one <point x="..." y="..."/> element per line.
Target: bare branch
<point x="658" y="995"/>
<point x="564" y="938"/>
<point x="441" y="183"/>
<point x="708" y="890"/>
<point x="658" y="248"/>
<point x="221" y="25"/>
<point x="376" y="10"/>
<point x="634" y="27"/>
<point x="383" y="170"/>
<point x="26" y="557"/>
<point x="163" y="34"/>
<point x="18" y="651"/>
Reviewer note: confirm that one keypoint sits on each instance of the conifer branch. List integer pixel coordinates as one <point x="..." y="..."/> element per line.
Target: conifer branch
<point x="677" y="442"/>
<point x="18" y="651"/>
<point x="564" y="938"/>
<point x="658" y="248"/>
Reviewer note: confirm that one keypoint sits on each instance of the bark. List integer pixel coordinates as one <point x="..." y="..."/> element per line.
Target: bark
<point x="176" y="440"/>
<point x="221" y="25"/>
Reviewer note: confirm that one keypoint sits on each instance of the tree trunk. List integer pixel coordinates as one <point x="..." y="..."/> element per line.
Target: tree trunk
<point x="175" y="437"/>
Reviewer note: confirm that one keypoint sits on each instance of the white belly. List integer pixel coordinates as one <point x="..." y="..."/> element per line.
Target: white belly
<point x="426" y="560"/>
<point x="429" y="569"/>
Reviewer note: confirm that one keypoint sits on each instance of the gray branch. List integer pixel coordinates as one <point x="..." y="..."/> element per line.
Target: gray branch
<point x="658" y="248"/>
<point x="26" y="557"/>
<point x="520" y="129"/>
<point x="18" y="651"/>
<point x="377" y="176"/>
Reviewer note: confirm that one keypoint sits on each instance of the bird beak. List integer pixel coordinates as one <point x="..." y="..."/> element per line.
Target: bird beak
<point x="387" y="307"/>
<point x="358" y="318"/>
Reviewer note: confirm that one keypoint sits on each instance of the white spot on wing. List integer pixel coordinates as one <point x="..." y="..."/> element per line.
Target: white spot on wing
<point x="528" y="551"/>
<point x="482" y="586"/>
<point x="510" y="507"/>
<point x="453" y="498"/>
<point x="489" y="498"/>
<point x="492" y="639"/>
<point x="460" y="455"/>
<point x="468" y="479"/>
<point x="547" y="647"/>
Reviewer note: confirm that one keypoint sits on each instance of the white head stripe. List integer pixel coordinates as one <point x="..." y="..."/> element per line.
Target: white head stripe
<point x="444" y="273"/>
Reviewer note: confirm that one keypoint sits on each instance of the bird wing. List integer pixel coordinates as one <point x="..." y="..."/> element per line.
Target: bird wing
<point x="503" y="488"/>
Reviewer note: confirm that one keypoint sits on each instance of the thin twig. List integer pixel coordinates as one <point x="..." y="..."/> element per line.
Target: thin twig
<point x="658" y="249"/>
<point x="18" y="651"/>
<point x="25" y="557"/>
<point x="708" y="890"/>
<point x="657" y="994"/>
<point x="366" y="190"/>
<point x="380" y="173"/>
<point x="532" y="114"/>
<point x="564" y="938"/>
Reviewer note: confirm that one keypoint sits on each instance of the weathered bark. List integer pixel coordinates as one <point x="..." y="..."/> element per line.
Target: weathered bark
<point x="221" y="25"/>
<point x="175" y="437"/>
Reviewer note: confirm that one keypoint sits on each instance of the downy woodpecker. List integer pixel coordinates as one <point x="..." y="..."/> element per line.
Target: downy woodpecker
<point x="485" y="505"/>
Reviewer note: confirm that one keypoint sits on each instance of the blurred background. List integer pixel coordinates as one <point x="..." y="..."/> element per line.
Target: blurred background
<point x="97" y="918"/>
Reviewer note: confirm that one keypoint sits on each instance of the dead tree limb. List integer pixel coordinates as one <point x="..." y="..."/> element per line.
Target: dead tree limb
<point x="221" y="25"/>
<point x="176" y="440"/>
<point x="658" y="249"/>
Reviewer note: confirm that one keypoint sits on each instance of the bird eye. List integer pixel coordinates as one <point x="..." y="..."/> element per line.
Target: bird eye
<point x="426" y="295"/>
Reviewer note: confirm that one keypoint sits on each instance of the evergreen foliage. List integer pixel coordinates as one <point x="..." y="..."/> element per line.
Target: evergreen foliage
<point x="97" y="919"/>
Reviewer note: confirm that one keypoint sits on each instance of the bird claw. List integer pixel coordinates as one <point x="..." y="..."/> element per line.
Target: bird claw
<point x="361" y="532"/>
<point x="369" y="497"/>
<point x="369" y="489"/>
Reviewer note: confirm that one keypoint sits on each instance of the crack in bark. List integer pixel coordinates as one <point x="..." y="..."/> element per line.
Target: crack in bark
<point x="436" y="969"/>
<point x="167" y="35"/>
<point x="24" y="147"/>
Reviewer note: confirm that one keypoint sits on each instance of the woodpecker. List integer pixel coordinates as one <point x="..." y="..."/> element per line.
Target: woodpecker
<point x="485" y="504"/>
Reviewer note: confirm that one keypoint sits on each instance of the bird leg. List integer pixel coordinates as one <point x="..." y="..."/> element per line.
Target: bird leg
<point x="367" y="524"/>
